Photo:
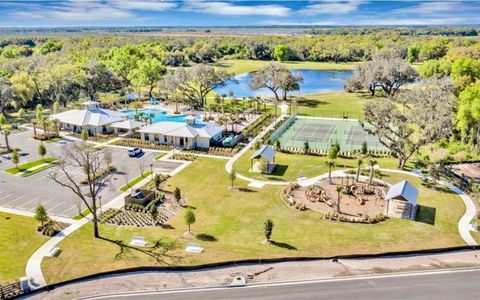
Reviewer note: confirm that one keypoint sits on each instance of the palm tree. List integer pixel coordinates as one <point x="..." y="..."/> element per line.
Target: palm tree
<point x="136" y="105"/>
<point x="359" y="167"/>
<point x="372" y="163"/>
<point x="339" y="192"/>
<point x="330" y="164"/>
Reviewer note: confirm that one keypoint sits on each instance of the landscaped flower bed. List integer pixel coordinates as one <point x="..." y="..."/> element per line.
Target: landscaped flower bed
<point x="140" y="217"/>
<point x="133" y="142"/>
<point x="100" y="174"/>
<point x="256" y="127"/>
<point x="217" y="151"/>
<point x="45" y="136"/>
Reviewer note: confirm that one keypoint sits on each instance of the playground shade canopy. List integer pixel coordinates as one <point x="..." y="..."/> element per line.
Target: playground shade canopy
<point x="266" y="152"/>
<point x="404" y="190"/>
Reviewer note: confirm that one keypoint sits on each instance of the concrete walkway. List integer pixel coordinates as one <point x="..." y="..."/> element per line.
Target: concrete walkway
<point x="470" y="208"/>
<point x="34" y="264"/>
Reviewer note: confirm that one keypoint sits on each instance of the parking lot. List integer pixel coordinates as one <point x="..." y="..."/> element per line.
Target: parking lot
<point x="25" y="193"/>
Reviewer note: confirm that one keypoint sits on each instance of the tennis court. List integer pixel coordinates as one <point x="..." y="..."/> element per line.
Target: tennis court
<point x="321" y="134"/>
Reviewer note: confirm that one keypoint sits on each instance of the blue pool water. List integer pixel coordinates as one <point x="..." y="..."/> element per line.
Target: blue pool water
<point x="314" y="81"/>
<point x="159" y="115"/>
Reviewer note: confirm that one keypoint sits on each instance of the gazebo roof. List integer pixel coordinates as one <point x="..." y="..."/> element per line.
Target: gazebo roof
<point x="266" y="152"/>
<point x="405" y="190"/>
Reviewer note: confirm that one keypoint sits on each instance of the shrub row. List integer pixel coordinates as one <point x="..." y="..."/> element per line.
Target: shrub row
<point x="334" y="216"/>
<point x="134" y="142"/>
<point x="45" y="136"/>
<point x="217" y="151"/>
<point x="266" y="137"/>
<point x="257" y="126"/>
<point x="345" y="154"/>
<point x="100" y="174"/>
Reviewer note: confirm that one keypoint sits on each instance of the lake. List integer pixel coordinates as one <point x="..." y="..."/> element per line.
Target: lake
<point x="314" y="81"/>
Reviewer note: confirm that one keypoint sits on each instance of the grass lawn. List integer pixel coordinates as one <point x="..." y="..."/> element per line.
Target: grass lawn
<point x="230" y="222"/>
<point x="54" y="140"/>
<point x="160" y="156"/>
<point x="48" y="161"/>
<point x="18" y="241"/>
<point x="333" y="105"/>
<point x="239" y="66"/>
<point x="135" y="181"/>
<point x="291" y="166"/>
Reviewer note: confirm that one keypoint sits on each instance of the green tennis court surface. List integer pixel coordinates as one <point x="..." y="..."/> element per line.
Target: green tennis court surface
<point x="321" y="134"/>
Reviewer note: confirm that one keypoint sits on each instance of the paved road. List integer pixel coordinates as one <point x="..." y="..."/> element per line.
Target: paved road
<point x="460" y="284"/>
<point x="25" y="193"/>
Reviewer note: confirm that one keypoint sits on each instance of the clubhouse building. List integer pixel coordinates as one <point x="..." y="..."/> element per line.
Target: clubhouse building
<point x="189" y="135"/>
<point x="91" y="118"/>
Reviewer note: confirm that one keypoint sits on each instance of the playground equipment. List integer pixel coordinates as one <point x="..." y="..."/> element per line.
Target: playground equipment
<point x="355" y="191"/>
<point x="316" y="193"/>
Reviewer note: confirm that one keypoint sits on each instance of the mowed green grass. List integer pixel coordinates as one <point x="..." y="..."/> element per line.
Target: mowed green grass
<point x="239" y="66"/>
<point x="47" y="161"/>
<point x="333" y="105"/>
<point x="232" y="219"/>
<point x="18" y="241"/>
<point x="292" y="166"/>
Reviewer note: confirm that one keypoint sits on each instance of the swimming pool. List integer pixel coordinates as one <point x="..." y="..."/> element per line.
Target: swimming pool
<point x="158" y="115"/>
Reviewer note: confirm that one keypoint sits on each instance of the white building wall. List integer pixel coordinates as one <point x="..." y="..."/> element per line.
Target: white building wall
<point x="202" y="142"/>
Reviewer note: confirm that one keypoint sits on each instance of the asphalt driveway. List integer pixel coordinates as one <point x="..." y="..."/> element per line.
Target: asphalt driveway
<point x="25" y="193"/>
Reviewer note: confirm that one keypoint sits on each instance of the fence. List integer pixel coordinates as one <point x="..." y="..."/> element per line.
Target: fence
<point x="305" y="111"/>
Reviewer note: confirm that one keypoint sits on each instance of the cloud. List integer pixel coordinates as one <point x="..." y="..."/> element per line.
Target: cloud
<point x="144" y="5"/>
<point x="87" y="11"/>
<point x="435" y="7"/>
<point x="230" y="9"/>
<point x="332" y="7"/>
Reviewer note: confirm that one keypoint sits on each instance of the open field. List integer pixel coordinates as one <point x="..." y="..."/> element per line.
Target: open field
<point x="230" y="222"/>
<point x="291" y="166"/>
<point x="333" y="105"/>
<point x="239" y="66"/>
<point x="18" y="241"/>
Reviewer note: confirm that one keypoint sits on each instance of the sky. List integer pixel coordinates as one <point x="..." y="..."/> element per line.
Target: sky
<point x="16" y="13"/>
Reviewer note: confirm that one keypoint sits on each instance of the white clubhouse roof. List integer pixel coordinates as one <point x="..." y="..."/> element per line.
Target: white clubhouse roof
<point x="405" y="190"/>
<point x="127" y="124"/>
<point x="89" y="117"/>
<point x="178" y="129"/>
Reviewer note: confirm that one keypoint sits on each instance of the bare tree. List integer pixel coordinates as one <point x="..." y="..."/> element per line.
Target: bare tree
<point x="89" y="160"/>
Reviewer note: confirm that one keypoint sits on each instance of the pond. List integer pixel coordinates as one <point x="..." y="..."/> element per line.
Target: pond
<point x="158" y="115"/>
<point x="314" y="81"/>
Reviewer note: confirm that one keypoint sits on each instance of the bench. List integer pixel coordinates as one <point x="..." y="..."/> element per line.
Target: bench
<point x="194" y="248"/>
<point x="53" y="252"/>
<point x="138" y="241"/>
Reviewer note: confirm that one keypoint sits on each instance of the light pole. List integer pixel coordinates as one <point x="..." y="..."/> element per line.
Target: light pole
<point x="151" y="170"/>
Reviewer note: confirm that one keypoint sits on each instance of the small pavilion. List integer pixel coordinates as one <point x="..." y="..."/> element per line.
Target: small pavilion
<point x="266" y="152"/>
<point x="402" y="200"/>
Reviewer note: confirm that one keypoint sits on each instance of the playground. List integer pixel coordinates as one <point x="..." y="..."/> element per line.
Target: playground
<point x="357" y="199"/>
<point x="321" y="134"/>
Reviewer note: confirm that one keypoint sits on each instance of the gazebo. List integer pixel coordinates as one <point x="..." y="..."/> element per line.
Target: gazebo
<point x="402" y="200"/>
<point x="266" y="152"/>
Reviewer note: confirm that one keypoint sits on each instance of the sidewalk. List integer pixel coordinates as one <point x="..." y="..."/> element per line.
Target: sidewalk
<point x="261" y="273"/>
<point x="34" y="264"/>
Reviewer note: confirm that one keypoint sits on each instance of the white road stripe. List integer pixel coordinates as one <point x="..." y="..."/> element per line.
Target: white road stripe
<point x="34" y="199"/>
<point x="5" y="197"/>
